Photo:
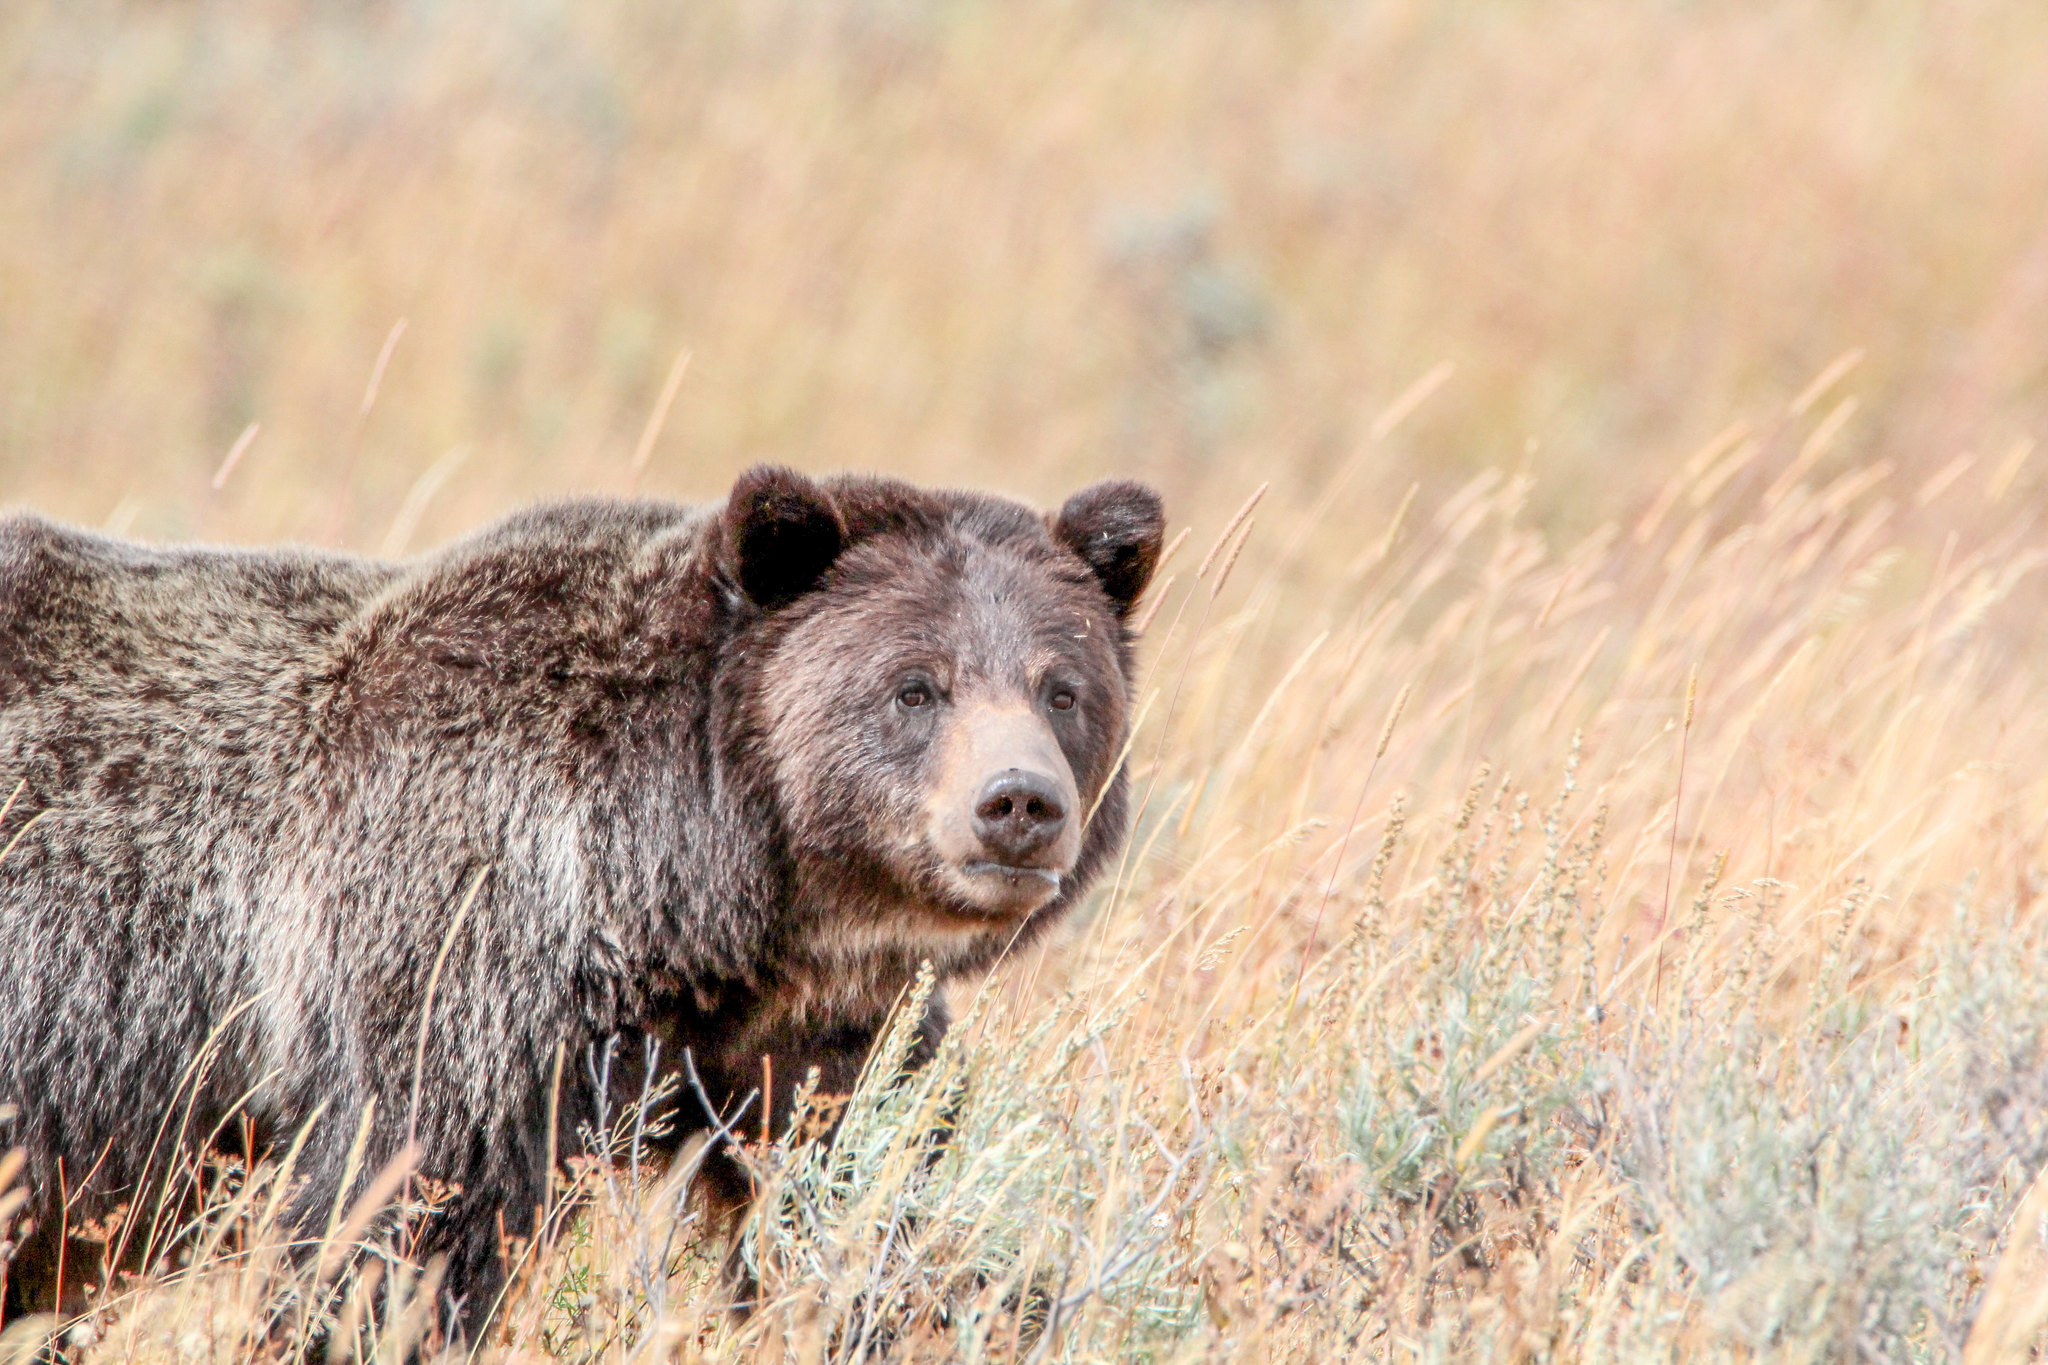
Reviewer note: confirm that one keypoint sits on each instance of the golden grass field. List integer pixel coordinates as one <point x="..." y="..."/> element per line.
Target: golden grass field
<point x="1586" y="900"/>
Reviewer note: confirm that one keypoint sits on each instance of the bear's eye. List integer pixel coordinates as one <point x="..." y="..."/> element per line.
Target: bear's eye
<point x="1062" y="700"/>
<point x="913" y="694"/>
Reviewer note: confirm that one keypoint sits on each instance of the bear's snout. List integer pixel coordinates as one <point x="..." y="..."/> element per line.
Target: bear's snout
<point x="1020" y="814"/>
<point x="1006" y="814"/>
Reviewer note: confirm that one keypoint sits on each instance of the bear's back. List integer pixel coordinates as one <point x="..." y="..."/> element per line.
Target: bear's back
<point x="129" y="674"/>
<point x="88" y="619"/>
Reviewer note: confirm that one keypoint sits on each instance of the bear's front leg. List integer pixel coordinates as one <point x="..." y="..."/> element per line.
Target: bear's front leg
<point x="729" y="1097"/>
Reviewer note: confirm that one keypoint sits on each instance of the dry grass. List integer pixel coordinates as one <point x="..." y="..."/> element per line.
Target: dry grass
<point x="978" y="241"/>
<point x="1583" y="909"/>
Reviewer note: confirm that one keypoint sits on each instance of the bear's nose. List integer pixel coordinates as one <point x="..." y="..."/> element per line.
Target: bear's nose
<point x="1019" y="813"/>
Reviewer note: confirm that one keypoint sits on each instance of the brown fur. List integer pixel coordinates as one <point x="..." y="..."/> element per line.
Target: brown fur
<point x="675" y="744"/>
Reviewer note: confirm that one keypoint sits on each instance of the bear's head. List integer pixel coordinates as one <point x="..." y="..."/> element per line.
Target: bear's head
<point x="940" y="689"/>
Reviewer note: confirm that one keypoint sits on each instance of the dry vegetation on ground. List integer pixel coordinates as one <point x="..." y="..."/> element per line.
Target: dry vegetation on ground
<point x="1585" y="904"/>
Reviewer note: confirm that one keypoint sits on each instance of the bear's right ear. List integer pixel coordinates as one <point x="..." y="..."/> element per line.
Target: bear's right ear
<point x="778" y="535"/>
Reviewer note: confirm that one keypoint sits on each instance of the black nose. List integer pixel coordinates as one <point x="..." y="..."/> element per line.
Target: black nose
<point x="1019" y="813"/>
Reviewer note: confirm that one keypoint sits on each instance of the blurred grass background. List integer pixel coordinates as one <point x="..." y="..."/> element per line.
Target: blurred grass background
<point x="1009" y="245"/>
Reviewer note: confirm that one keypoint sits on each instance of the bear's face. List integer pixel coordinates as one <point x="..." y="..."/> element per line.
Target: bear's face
<point x="949" y="713"/>
<point x="945" y="706"/>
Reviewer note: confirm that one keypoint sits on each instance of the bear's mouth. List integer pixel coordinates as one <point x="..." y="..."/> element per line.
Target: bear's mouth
<point x="1015" y="875"/>
<point x="986" y="887"/>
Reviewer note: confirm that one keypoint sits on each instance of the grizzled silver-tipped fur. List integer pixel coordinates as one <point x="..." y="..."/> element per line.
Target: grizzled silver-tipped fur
<point x="689" y="757"/>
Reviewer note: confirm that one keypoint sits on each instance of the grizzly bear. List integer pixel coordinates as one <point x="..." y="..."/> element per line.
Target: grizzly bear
<point x="606" y="771"/>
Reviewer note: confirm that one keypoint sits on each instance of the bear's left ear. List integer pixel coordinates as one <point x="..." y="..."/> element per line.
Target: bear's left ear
<point x="778" y="535"/>
<point x="1116" y="527"/>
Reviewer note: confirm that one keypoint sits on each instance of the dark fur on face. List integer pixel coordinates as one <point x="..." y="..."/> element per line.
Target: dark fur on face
<point x="671" y="748"/>
<point x="970" y="611"/>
